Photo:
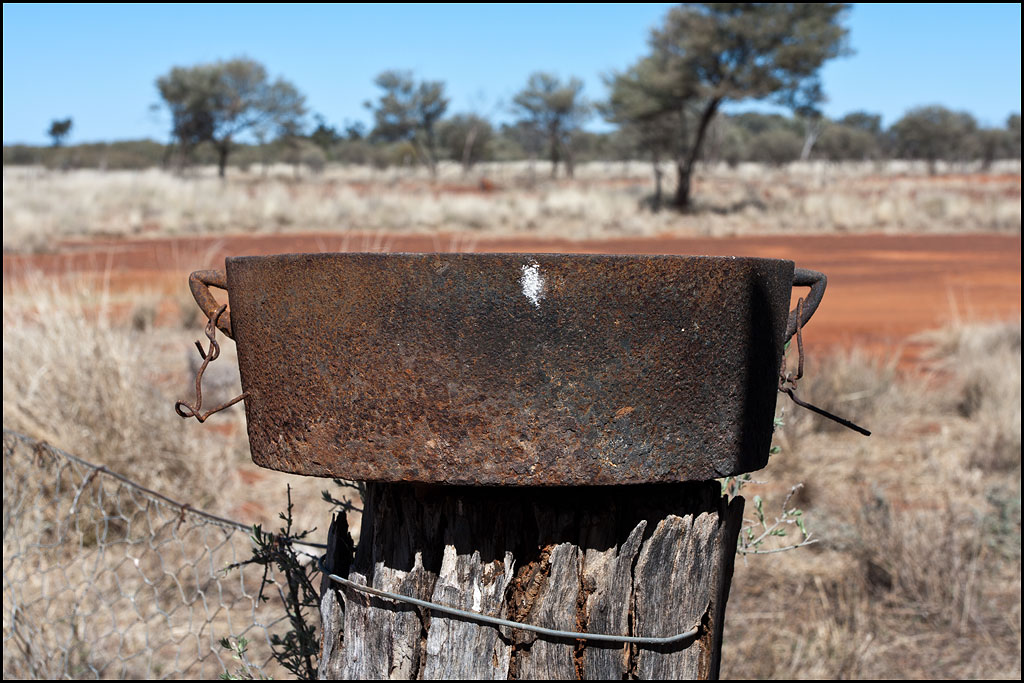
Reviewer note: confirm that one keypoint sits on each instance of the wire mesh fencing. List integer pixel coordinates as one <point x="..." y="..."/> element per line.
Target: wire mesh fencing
<point x="104" y="578"/>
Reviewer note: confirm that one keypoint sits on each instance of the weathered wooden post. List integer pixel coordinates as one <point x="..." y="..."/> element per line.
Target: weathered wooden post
<point x="540" y="435"/>
<point x="648" y="560"/>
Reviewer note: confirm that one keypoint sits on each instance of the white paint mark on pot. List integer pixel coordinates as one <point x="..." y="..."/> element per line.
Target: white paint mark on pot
<point x="533" y="283"/>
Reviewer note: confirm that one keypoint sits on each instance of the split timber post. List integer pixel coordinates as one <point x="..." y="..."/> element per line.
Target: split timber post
<point x="649" y="560"/>
<point x="564" y="417"/>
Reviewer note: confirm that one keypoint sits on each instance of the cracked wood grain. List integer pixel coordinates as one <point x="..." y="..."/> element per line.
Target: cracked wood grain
<point x="643" y="560"/>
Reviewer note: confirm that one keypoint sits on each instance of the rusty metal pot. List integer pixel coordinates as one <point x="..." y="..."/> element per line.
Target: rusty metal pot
<point x="509" y="369"/>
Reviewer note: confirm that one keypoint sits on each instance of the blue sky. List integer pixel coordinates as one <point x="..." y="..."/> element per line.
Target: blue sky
<point x="98" y="63"/>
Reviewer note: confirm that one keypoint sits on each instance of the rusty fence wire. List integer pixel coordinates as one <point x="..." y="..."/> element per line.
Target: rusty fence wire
<point x="104" y="578"/>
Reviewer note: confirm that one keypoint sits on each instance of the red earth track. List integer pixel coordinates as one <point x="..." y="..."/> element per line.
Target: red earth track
<point x="883" y="289"/>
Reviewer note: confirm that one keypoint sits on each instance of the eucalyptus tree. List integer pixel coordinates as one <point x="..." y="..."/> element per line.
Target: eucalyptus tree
<point x="865" y="121"/>
<point x="844" y="142"/>
<point x="554" y="110"/>
<point x="1013" y="126"/>
<point x="220" y="101"/>
<point x="650" y="111"/>
<point x="409" y="111"/>
<point x="857" y="136"/>
<point x="466" y="138"/>
<point x="58" y="130"/>
<point x="706" y="54"/>
<point x="934" y="133"/>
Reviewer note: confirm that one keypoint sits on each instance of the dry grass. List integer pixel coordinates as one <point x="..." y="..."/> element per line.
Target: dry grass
<point x="917" y="574"/>
<point x="607" y="199"/>
<point x="96" y="373"/>
<point x="87" y="371"/>
<point x="986" y="361"/>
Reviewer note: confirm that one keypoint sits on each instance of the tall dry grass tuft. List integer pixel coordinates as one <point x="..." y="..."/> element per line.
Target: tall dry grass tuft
<point x="925" y="564"/>
<point x="141" y="589"/>
<point x="917" y="572"/>
<point x="986" y="360"/>
<point x="85" y="381"/>
<point x="89" y="372"/>
<point x="852" y="383"/>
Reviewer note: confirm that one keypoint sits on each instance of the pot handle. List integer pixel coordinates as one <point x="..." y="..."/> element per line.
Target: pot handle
<point x="803" y="277"/>
<point x="200" y="282"/>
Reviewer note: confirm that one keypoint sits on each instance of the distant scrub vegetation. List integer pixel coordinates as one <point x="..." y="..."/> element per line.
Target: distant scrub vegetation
<point x="668" y="107"/>
<point x="930" y="134"/>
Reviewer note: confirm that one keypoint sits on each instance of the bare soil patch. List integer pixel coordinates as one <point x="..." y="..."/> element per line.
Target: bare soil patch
<point x="883" y="289"/>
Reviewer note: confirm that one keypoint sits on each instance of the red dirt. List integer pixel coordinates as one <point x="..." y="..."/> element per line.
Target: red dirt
<point x="882" y="289"/>
<point x="482" y="187"/>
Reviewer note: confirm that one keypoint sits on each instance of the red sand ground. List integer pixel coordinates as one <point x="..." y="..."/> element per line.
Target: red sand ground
<point x="882" y="289"/>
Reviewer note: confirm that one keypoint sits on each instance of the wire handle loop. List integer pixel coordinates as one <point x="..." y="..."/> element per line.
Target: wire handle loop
<point x="802" y="277"/>
<point x="183" y="408"/>
<point x="788" y="381"/>
<point x="200" y="282"/>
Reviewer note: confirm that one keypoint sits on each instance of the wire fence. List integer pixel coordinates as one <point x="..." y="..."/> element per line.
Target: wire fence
<point x="104" y="578"/>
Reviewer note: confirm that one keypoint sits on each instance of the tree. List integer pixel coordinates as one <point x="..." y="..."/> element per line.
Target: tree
<point x="712" y="53"/>
<point x="991" y="144"/>
<point x="934" y="134"/>
<point x="324" y="136"/>
<point x="409" y="111"/>
<point x="726" y="141"/>
<point x="756" y="123"/>
<point x="59" y="129"/>
<point x="354" y="130"/>
<point x="554" y="110"/>
<point x="862" y="120"/>
<point x="518" y="140"/>
<point x="776" y="146"/>
<point x="1013" y="125"/>
<point x="807" y="109"/>
<point x="465" y="138"/>
<point x="219" y="102"/>
<point x="857" y="136"/>
<point x="638" y="103"/>
<point x="842" y="142"/>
